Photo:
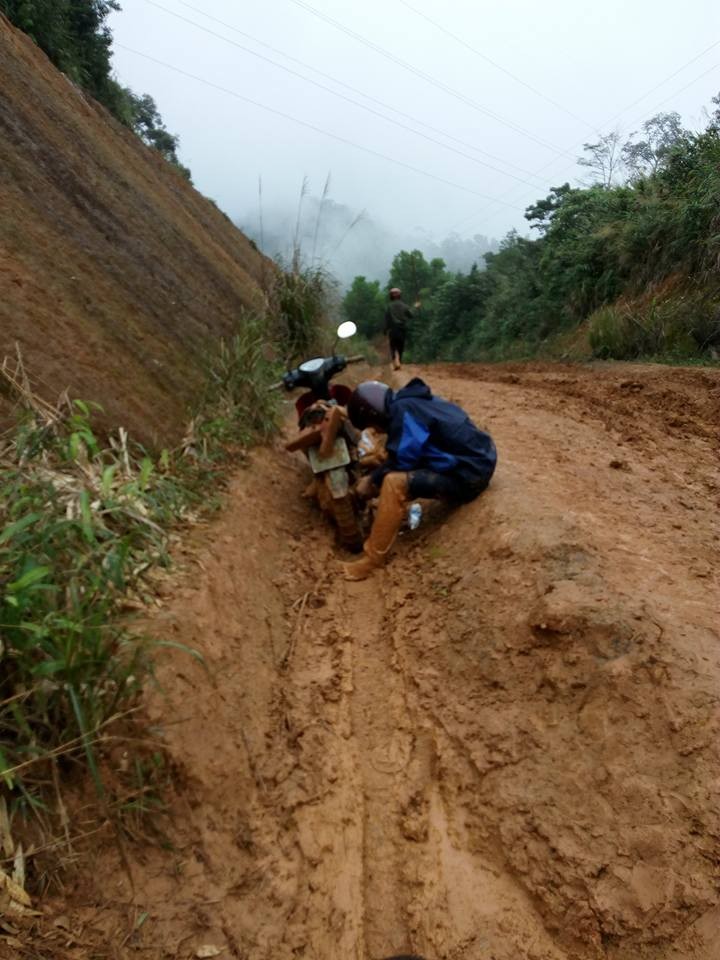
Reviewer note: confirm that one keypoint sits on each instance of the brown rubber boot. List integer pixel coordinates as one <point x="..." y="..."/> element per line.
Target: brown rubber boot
<point x="392" y="506"/>
<point x="396" y="361"/>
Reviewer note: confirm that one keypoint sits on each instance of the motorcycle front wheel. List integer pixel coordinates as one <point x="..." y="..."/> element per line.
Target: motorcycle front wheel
<point x="346" y="520"/>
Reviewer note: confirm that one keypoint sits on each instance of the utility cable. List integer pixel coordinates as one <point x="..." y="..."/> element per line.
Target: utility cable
<point x="376" y="47"/>
<point x="494" y="63"/>
<point x="342" y="96"/>
<point x="677" y="93"/>
<point x="672" y="96"/>
<point x="425" y="76"/>
<point x="667" y="80"/>
<point x="311" y="126"/>
<point x="347" y="86"/>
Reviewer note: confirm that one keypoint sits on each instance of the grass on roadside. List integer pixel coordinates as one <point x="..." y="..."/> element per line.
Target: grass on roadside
<point x="300" y="295"/>
<point x="685" y="326"/>
<point x="82" y="521"/>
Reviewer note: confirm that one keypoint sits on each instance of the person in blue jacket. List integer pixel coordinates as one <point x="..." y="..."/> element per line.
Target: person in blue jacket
<point x="434" y="451"/>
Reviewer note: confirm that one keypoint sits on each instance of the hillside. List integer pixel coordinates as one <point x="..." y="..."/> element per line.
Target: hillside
<point x="116" y="276"/>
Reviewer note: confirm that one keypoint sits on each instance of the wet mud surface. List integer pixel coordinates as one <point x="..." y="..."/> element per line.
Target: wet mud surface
<point x="504" y="745"/>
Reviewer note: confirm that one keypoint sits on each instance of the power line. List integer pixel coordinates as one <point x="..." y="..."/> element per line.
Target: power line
<point x="310" y="126"/>
<point x="494" y="63"/>
<point x="342" y="96"/>
<point x="347" y="86"/>
<point x="666" y="80"/>
<point x="425" y="76"/>
<point x="677" y="93"/>
<point x="672" y="96"/>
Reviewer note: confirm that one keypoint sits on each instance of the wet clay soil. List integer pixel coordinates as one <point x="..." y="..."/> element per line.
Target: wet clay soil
<point x="505" y="745"/>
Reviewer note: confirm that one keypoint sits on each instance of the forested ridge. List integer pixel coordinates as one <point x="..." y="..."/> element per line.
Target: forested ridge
<point x="626" y="266"/>
<point x="75" y="36"/>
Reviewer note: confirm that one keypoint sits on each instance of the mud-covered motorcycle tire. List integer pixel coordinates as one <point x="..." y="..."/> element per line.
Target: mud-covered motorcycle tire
<point x="348" y="526"/>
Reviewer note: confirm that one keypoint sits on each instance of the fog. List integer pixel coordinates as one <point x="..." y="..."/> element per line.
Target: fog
<point x="348" y="242"/>
<point x="432" y="118"/>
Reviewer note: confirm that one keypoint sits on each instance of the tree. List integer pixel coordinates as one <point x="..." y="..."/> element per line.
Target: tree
<point x="146" y="121"/>
<point x="75" y="36"/>
<point x="541" y="213"/>
<point x="364" y="304"/>
<point x="715" y="115"/>
<point x="412" y="273"/>
<point x="604" y="159"/>
<point x="45" y="22"/>
<point x="662" y="133"/>
<point x="456" y="315"/>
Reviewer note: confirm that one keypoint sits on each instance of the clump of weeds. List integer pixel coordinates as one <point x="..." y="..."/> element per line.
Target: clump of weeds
<point x="85" y="519"/>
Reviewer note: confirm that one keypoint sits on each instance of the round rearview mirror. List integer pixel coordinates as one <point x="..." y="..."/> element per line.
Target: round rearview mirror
<point x="346" y="330"/>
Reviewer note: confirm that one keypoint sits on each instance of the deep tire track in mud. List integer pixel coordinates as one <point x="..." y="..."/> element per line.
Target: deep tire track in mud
<point x="504" y="745"/>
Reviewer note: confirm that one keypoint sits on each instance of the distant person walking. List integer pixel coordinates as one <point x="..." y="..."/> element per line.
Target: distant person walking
<point x="397" y="316"/>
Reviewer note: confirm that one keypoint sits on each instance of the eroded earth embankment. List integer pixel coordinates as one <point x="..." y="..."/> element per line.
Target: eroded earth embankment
<point x="117" y="278"/>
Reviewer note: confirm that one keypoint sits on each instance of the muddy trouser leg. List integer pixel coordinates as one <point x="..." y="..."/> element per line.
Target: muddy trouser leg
<point x="428" y="485"/>
<point x="391" y="511"/>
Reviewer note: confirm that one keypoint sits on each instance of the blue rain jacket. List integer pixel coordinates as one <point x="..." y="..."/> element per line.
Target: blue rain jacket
<point x="429" y="433"/>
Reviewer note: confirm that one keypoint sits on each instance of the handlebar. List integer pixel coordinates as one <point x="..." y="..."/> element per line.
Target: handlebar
<point x="358" y="358"/>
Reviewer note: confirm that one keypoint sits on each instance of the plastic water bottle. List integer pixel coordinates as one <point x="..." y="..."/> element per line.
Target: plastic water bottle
<point x="414" y="516"/>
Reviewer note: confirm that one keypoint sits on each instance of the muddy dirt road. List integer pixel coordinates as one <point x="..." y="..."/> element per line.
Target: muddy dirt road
<point x="504" y="746"/>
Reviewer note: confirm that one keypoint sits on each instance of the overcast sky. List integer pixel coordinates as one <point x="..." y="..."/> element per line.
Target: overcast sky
<point x="561" y="71"/>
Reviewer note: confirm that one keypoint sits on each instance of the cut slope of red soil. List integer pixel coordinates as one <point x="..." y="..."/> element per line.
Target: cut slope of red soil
<point x="117" y="278"/>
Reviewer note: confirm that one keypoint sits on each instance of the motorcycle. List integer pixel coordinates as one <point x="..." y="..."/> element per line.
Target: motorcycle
<point x="327" y="438"/>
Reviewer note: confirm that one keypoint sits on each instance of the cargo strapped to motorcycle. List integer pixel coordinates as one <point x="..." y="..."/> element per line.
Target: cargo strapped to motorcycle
<point x="339" y="457"/>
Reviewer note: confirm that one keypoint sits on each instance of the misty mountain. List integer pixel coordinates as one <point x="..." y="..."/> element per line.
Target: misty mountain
<point x="348" y="243"/>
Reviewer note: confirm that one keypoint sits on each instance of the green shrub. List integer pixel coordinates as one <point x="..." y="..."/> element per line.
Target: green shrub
<point x="300" y="303"/>
<point x="82" y="521"/>
<point x="237" y="407"/>
<point x="79" y="525"/>
<point x="681" y="326"/>
<point x="611" y="334"/>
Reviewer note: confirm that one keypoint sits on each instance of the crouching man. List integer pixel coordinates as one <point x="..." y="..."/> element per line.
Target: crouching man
<point x="434" y="451"/>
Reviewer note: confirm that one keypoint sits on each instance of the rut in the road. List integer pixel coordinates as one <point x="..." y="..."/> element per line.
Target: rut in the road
<point x="385" y="864"/>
